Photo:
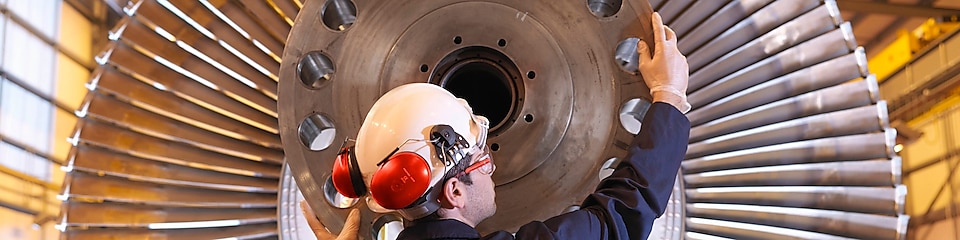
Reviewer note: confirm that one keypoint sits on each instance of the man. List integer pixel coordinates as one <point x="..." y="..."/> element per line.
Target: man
<point x="624" y="205"/>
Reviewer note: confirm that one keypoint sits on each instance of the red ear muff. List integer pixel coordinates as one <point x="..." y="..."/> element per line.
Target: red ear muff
<point x="346" y="175"/>
<point x="400" y="181"/>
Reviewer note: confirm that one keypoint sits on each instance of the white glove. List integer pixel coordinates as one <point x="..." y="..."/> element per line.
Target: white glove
<point x="666" y="72"/>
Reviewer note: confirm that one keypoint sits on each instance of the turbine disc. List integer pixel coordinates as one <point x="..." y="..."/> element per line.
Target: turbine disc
<point x="190" y="103"/>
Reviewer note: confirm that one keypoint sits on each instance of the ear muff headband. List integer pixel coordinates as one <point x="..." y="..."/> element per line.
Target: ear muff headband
<point x="425" y="205"/>
<point x="356" y="177"/>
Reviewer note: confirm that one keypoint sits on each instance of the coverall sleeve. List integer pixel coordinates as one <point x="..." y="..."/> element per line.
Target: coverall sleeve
<point x="625" y="204"/>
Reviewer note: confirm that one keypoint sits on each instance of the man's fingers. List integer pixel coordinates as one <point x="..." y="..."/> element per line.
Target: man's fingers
<point x="643" y="51"/>
<point x="318" y="229"/>
<point x="658" y="31"/>
<point x="352" y="225"/>
<point x="671" y="35"/>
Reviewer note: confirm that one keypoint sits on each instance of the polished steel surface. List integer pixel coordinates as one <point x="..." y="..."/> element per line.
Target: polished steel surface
<point x="192" y="98"/>
<point x="838" y="223"/>
<point x="718" y="22"/>
<point x="712" y="228"/>
<point x="845" y="148"/>
<point x="730" y="101"/>
<point x="837" y="97"/>
<point x="876" y="200"/>
<point x="861" y="120"/>
<point x="812" y="24"/>
<point x="745" y="30"/>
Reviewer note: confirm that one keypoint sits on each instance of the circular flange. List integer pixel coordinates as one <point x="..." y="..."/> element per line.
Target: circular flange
<point x="476" y="24"/>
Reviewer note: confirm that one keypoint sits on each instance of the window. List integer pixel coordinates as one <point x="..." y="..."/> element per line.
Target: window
<point x="26" y="117"/>
<point x="43" y="46"/>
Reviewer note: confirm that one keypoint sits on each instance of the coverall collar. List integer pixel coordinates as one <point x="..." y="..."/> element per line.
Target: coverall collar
<point x="440" y="229"/>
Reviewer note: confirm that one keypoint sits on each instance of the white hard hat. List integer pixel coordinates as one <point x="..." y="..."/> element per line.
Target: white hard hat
<point x="400" y="147"/>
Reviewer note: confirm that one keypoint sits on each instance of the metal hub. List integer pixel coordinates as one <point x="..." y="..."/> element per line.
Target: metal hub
<point x="487" y="79"/>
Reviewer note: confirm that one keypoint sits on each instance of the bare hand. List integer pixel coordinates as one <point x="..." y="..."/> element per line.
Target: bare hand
<point x="666" y="72"/>
<point x="350" y="227"/>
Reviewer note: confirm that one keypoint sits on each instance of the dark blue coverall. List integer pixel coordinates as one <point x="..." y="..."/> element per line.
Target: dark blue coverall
<point x="624" y="204"/>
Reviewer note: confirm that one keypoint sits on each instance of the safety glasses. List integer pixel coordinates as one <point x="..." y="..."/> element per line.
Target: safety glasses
<point x="482" y="164"/>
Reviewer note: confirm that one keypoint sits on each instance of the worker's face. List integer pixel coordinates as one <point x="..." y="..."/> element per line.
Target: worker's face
<point x="481" y="198"/>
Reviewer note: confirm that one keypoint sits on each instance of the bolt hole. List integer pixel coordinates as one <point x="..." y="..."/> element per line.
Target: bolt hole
<point x="457" y="40"/>
<point x="424" y="68"/>
<point x="571" y="208"/>
<point x="338" y="15"/>
<point x="317" y="132"/>
<point x="626" y="56"/>
<point x="495" y="147"/>
<point x="632" y="113"/>
<point x="607" y="168"/>
<point x="528" y="117"/>
<point x="531" y="74"/>
<point x="387" y="226"/>
<point x="336" y="199"/>
<point x="604" y="8"/>
<point x="502" y="43"/>
<point x="315" y="69"/>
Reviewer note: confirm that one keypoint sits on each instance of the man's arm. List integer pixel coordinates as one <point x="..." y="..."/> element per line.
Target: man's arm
<point x="626" y="203"/>
<point x="638" y="190"/>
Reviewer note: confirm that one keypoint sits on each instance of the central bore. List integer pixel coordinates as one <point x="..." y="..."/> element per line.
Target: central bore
<point x="487" y="79"/>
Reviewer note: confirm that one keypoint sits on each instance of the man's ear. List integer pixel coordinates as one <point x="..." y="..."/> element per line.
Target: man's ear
<point x="452" y="195"/>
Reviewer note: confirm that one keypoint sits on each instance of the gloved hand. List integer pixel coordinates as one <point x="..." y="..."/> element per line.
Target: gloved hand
<point x="350" y="227"/>
<point x="666" y="72"/>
